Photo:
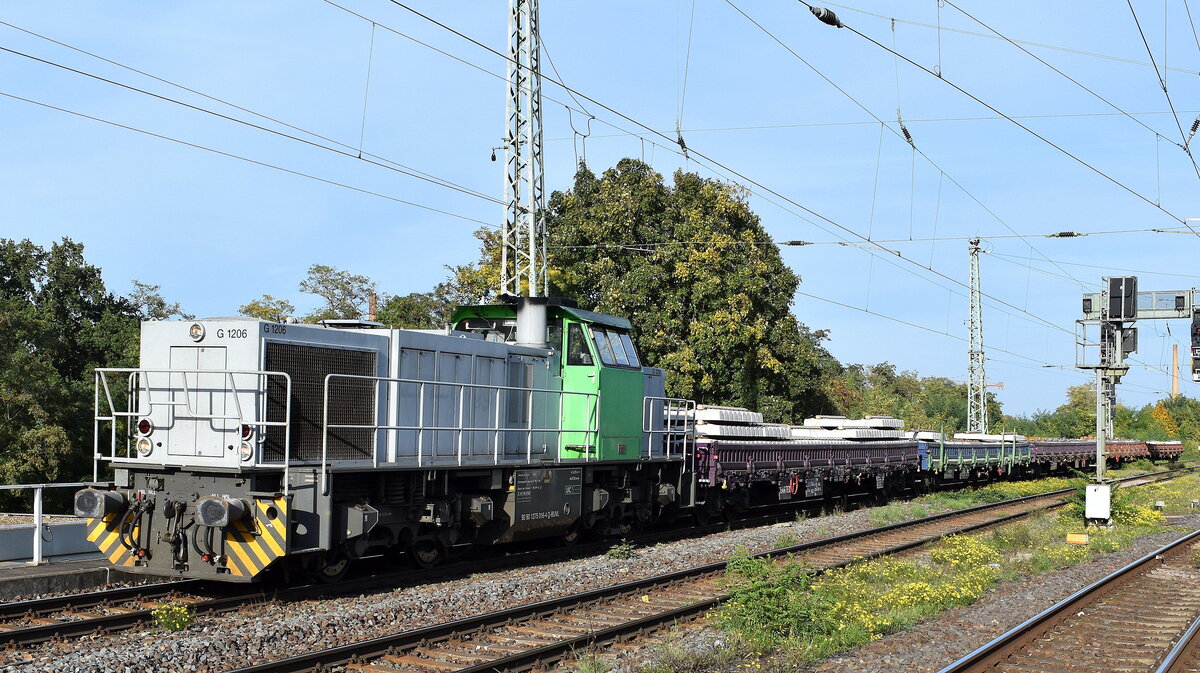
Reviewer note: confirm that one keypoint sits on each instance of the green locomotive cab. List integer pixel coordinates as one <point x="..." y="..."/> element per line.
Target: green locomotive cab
<point x="595" y="356"/>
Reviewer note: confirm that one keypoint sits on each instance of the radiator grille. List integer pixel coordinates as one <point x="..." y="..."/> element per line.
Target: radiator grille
<point x="350" y="401"/>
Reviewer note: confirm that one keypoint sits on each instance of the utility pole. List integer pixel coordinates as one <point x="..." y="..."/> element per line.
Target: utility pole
<point x="523" y="237"/>
<point x="1174" y="370"/>
<point x="977" y="413"/>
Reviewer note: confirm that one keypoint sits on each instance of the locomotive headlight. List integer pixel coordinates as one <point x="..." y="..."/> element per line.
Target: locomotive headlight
<point x="196" y="331"/>
<point x="219" y="510"/>
<point x="94" y="504"/>
<point x="246" y="451"/>
<point x="144" y="446"/>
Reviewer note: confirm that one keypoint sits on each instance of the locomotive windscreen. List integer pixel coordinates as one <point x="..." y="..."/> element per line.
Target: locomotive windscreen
<point x="351" y="401"/>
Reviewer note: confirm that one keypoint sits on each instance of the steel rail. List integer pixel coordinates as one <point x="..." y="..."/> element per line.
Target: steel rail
<point x="1185" y="656"/>
<point x="42" y="606"/>
<point x="999" y="648"/>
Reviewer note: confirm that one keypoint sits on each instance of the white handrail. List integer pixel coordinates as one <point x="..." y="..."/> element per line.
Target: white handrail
<point x="590" y="432"/>
<point x="672" y="409"/>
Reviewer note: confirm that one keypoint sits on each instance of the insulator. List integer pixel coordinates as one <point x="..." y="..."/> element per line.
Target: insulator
<point x="907" y="135"/>
<point x="1195" y="126"/>
<point x="826" y="16"/>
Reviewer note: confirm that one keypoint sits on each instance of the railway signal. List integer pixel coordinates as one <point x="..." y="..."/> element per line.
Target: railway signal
<point x="1113" y="311"/>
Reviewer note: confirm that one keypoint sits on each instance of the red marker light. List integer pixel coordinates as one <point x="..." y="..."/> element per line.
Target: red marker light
<point x="245" y="432"/>
<point x="145" y="427"/>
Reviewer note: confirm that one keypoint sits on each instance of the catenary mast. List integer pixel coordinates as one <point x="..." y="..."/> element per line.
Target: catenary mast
<point x="977" y="414"/>
<point x="523" y="262"/>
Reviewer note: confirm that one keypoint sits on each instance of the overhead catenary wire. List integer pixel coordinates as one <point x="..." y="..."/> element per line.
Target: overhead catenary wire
<point x="1061" y="234"/>
<point x="349" y="149"/>
<point x="902" y="132"/>
<point x="872" y="122"/>
<point x="246" y="159"/>
<point x="1039" y="45"/>
<point x="687" y="63"/>
<point x="1040" y="364"/>
<point x="1116" y="268"/>
<point x="1163" y="83"/>
<point x="1039" y="59"/>
<point x="351" y="152"/>
<point x="1192" y="23"/>
<point x="1025" y="128"/>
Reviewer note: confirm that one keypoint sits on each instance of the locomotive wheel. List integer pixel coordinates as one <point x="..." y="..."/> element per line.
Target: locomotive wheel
<point x="572" y="536"/>
<point x="427" y="553"/>
<point x="331" y="567"/>
<point x="627" y="526"/>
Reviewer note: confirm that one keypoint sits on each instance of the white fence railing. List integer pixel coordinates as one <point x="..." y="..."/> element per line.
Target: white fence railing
<point x="38" y="515"/>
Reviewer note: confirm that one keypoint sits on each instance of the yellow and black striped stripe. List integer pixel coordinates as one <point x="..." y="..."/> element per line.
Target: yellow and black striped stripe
<point x="251" y="546"/>
<point x="104" y="534"/>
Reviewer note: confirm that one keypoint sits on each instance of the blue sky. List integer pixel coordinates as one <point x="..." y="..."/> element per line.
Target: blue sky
<point x="216" y="231"/>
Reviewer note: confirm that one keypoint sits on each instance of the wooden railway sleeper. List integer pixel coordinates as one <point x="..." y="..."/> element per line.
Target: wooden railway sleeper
<point x="453" y="655"/>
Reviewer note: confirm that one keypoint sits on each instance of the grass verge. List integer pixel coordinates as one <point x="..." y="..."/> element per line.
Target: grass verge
<point x="782" y="615"/>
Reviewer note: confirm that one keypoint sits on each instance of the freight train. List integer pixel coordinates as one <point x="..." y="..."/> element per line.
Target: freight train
<point x="240" y="446"/>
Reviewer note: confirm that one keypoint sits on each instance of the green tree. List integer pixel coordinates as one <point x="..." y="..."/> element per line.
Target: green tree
<point x="57" y="322"/>
<point x="151" y="305"/>
<point x="268" y="308"/>
<point x="418" y="310"/>
<point x="705" y="287"/>
<point x="345" y="294"/>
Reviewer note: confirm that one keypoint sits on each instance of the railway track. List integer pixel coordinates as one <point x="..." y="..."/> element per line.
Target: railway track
<point x="538" y="635"/>
<point x="1127" y="621"/>
<point x="35" y="621"/>
<point x="44" y="619"/>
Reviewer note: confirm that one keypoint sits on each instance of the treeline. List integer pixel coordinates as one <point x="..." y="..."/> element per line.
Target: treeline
<point x="1169" y="418"/>
<point x="688" y="262"/>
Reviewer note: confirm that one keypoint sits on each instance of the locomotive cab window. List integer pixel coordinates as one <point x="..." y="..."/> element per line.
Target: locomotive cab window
<point x="577" y="348"/>
<point x="603" y="347"/>
<point x="615" y="348"/>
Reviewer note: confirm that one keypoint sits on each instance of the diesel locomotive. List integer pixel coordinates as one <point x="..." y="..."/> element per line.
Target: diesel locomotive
<point x="238" y="443"/>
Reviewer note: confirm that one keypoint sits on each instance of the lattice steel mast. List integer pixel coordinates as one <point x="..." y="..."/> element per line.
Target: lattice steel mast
<point x="523" y="261"/>
<point x="977" y="414"/>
